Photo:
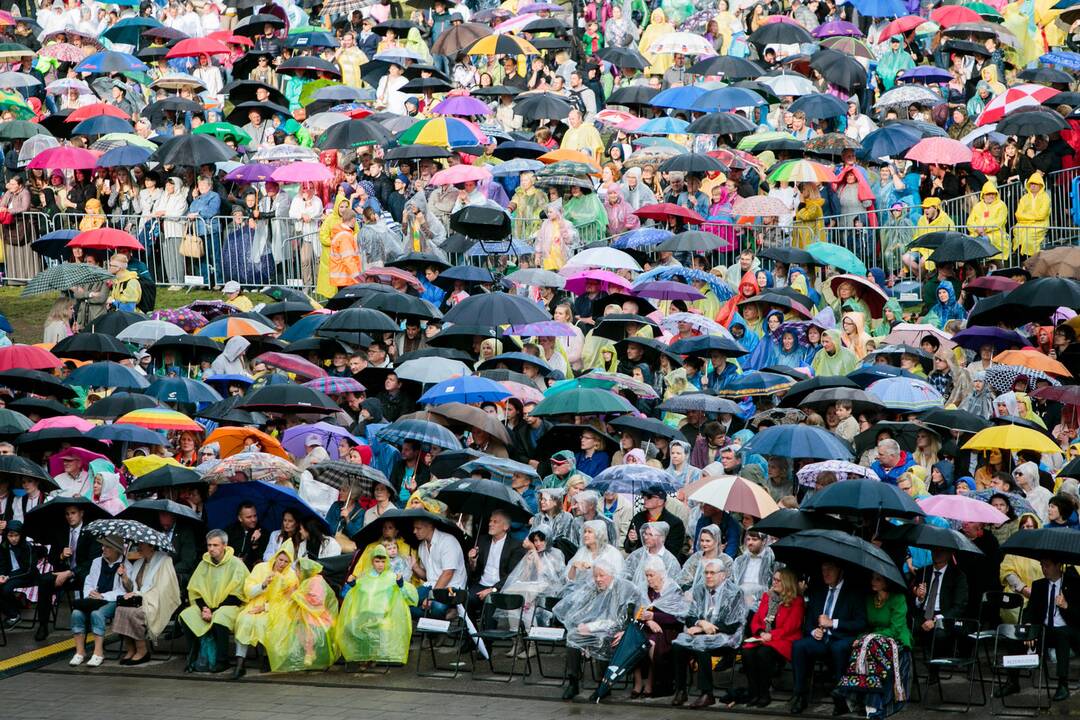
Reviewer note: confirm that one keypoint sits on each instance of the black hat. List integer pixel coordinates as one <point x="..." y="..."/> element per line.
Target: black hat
<point x="15" y="526"/>
<point x="655" y="491"/>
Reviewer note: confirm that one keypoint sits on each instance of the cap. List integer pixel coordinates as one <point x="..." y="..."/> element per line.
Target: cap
<point x="655" y="491"/>
<point x="15" y="526"/>
<point x="312" y="439"/>
<point x="112" y="542"/>
<point x="230" y="287"/>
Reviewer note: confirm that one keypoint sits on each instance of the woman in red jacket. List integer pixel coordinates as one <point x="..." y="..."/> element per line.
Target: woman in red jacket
<point x="775" y="626"/>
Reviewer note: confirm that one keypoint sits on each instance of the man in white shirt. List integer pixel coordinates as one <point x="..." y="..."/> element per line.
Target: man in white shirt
<point x="491" y="560"/>
<point x="75" y="481"/>
<point x="440" y="564"/>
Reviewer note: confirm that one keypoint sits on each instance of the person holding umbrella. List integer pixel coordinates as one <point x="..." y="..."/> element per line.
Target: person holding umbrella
<point x="440" y="564"/>
<point x="151" y="593"/>
<point x="101" y="588"/>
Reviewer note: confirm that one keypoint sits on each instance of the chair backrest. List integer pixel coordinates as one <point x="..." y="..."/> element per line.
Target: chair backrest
<point x="506" y="601"/>
<point x="450" y="596"/>
<point x="1003" y="600"/>
<point x="1028" y="631"/>
<point x="958" y="637"/>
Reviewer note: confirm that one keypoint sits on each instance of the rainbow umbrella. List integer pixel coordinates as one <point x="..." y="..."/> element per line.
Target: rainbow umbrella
<point x="443" y="132"/>
<point x="227" y="327"/>
<point x="159" y="419"/>
<point x="802" y="171"/>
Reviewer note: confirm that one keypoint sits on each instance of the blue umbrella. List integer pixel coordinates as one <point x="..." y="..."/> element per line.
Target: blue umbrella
<point x="54" y="245"/>
<point x="221" y="382"/>
<point x="663" y="125"/>
<point x="973" y="338"/>
<point x="879" y="8"/>
<point x="640" y="238"/>
<point x="927" y="74"/>
<point x="102" y="125"/>
<point x="632" y="479"/>
<point x="129" y="30"/>
<point x="726" y="98"/>
<point x="106" y="62"/>
<point x="498" y="247"/>
<point x="107" y="375"/>
<point x="757" y="383"/>
<point x="819" y="106"/>
<point x="839" y="257"/>
<point x="123" y="156"/>
<point x="663" y="142"/>
<point x="5" y="324"/>
<point x="679" y="98"/>
<point x="798" y="441"/>
<point x="1062" y="58"/>
<point x="516" y="167"/>
<point x="270" y="502"/>
<point x="891" y="140"/>
<point x="305" y="327"/>
<point x="312" y="39"/>
<point x="703" y="345"/>
<point x="182" y="390"/>
<point x="423" y="432"/>
<point x="867" y="375"/>
<point x="466" y="273"/>
<point x="127" y="433"/>
<point x="469" y="389"/>
<point x="900" y="393"/>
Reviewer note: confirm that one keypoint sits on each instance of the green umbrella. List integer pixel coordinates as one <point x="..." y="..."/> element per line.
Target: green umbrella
<point x="64" y="277"/>
<point x="14" y="51"/>
<point x="751" y="141"/>
<point x="21" y="130"/>
<point x="583" y="401"/>
<point x="222" y="131"/>
<point x="828" y="254"/>
<point x="565" y="167"/>
<point x="986" y="11"/>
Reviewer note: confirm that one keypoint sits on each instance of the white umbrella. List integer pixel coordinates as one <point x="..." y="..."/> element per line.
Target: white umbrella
<point x="794" y="85"/>
<point x="843" y="470"/>
<point x="601" y="257"/>
<point x="33" y="146"/>
<point x="912" y="334"/>
<point x="429" y="371"/>
<point x="906" y="95"/>
<point x="285" y="153"/>
<point x="147" y="332"/>
<point x="13" y="80"/>
<point x="63" y="85"/>
<point x="321" y="122"/>
<point x="670" y="324"/>
<point x="988" y="131"/>
<point x="683" y="43"/>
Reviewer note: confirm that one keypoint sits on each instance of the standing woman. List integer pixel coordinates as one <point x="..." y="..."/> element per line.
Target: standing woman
<point x="19" y="259"/>
<point x="775" y="626"/>
<point x="151" y="595"/>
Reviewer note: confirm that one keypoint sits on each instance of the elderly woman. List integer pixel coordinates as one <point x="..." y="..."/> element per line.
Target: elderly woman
<point x="151" y="595"/>
<point x="620" y="214"/>
<point x="103" y="585"/>
<point x="709" y="543"/>
<point x="552" y="519"/>
<point x="775" y="626"/>
<point x="594" y="548"/>
<point x="300" y="632"/>
<point x="662" y="616"/>
<point x="374" y="624"/>
<point x="653" y="535"/>
<point x="269" y="584"/>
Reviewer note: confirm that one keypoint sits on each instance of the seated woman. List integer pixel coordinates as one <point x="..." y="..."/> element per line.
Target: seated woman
<point x="774" y="627"/>
<point x="662" y="616"/>
<point x="653" y="536"/>
<point x="556" y="522"/>
<point x="289" y="530"/>
<point x="300" y="633"/>
<point x="879" y="672"/>
<point x="537" y="576"/>
<point x="151" y="595"/>
<point x="594" y="548"/>
<point x="346" y="514"/>
<point x="107" y="492"/>
<point x="314" y="542"/>
<point x="709" y="540"/>
<point x="103" y="584"/>
<point x="270" y="584"/>
<point x="374" y="624"/>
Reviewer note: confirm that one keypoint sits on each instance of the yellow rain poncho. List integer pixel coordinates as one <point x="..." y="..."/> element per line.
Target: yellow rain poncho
<point x="658" y="28"/>
<point x="988" y="217"/>
<point x="213" y="584"/>
<point x="300" y="633"/>
<point x="1032" y="216"/>
<point x="364" y="566"/>
<point x="374" y="624"/>
<point x="267" y="591"/>
<point x="592" y="354"/>
<point x="940" y="223"/>
<point x="330" y="223"/>
<point x="809" y="226"/>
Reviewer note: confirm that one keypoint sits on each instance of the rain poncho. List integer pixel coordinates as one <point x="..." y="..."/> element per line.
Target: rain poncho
<point x="943" y="312"/>
<point x="988" y="217"/>
<point x="300" y="633"/>
<point x="890" y="63"/>
<point x="602" y="611"/>
<point x="840" y="362"/>
<point x="263" y="600"/>
<point x="559" y="481"/>
<point x="586" y="211"/>
<point x="537" y="575"/>
<point x="374" y="624"/>
<point x="671" y="600"/>
<point x="636" y="561"/>
<point x="554" y="239"/>
<point x="855" y="341"/>
<point x="658" y="28"/>
<point x="640" y="194"/>
<point x="555" y="526"/>
<point x="724" y="609"/>
<point x="211" y="585"/>
<point x="979" y="402"/>
<point x="603" y="553"/>
<point x="1032" y="216"/>
<point x="691" y="573"/>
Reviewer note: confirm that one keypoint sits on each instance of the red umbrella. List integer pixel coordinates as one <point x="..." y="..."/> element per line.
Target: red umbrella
<point x="227" y="37"/>
<point x="95" y="109"/>
<point x="383" y="274"/>
<point x="939" y="150"/>
<point x="193" y="47"/>
<point x="899" y="26"/>
<point x="105" y="239"/>
<point x="666" y="211"/>
<point x="292" y="364"/>
<point x="950" y="15"/>
<point x="990" y="284"/>
<point x="27" y="357"/>
<point x="64" y="158"/>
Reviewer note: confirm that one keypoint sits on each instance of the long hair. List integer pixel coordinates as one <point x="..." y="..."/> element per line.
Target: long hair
<point x="789" y="586"/>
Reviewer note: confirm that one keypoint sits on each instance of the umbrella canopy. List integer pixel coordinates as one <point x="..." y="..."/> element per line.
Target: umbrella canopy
<point x="798" y="441"/>
<point x="130" y="531"/>
<point x="736" y="494"/>
<point x="632" y="480"/>
<point x="818" y="546"/>
<point x="1011" y="437"/>
<point x="863" y="496"/>
<point x="787" y="521"/>
<point x="468" y="390"/>
<point x="421" y="432"/>
<point x="270" y="502"/>
<point x="1044" y="543"/>
<point x="582" y="401"/>
<point x="479" y="498"/>
<point x="359" y="480"/>
<point x="42" y="522"/>
<point x="962" y="509"/>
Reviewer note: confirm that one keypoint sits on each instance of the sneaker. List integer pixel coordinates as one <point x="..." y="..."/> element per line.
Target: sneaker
<point x="10" y="623"/>
<point x="76" y="660"/>
<point x="95" y="660"/>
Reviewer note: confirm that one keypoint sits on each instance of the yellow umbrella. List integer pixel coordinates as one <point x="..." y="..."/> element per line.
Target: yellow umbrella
<point x="141" y="465"/>
<point x="1011" y="437"/>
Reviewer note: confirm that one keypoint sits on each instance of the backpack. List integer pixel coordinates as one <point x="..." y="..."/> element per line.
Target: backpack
<point x="148" y="298"/>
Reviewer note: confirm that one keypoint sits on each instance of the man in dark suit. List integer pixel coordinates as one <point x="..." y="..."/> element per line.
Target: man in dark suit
<point x="835" y="616"/>
<point x="72" y="552"/>
<point x="941" y="591"/>
<point x="494" y="556"/>
<point x="246" y="538"/>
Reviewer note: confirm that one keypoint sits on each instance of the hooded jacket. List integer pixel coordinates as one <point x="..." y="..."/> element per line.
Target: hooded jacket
<point x="943" y="312"/>
<point x="231" y="359"/>
<point x="1032" y="216"/>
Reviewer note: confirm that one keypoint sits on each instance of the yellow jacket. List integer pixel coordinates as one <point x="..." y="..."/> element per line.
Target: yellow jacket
<point x="989" y="218"/>
<point x="126" y="288"/>
<point x="809" y="225"/>
<point x="1032" y="216"/>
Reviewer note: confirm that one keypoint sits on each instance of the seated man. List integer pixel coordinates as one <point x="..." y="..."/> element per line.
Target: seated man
<point x="654" y="499"/>
<point x="494" y="556"/>
<point x="216" y="592"/>
<point x="835" y="616"/>
<point x="72" y="552"/>
<point x="246" y="538"/>
<point x="17" y="571"/>
<point x="941" y="591"/>
<point x="714" y="626"/>
<point x="753" y="569"/>
<point x="439" y="564"/>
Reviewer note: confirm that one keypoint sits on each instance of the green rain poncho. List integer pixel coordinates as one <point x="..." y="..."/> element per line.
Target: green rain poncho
<point x="374" y="624"/>
<point x="586" y="211"/>
<point x="300" y="634"/>
<point x="212" y="584"/>
<point x="890" y="64"/>
<point x="559" y="481"/>
<point x="840" y="362"/>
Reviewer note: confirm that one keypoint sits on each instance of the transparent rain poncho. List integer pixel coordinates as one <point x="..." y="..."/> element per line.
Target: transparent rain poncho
<point x="594" y="611"/>
<point x="538" y="575"/>
<point x="724" y="609"/>
<point x="602" y="551"/>
<point x="635" y="563"/>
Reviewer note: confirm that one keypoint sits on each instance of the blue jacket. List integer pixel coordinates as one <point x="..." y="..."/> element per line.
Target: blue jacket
<point x="892" y="476"/>
<point x="206" y="207"/>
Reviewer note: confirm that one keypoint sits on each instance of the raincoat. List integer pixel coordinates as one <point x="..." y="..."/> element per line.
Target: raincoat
<point x="809" y="226"/>
<point x="889" y="65"/>
<point x="374" y="624"/>
<point x="840" y="362"/>
<point x="586" y="211"/>
<point x="111" y="497"/>
<point x="726" y="611"/>
<point x="988" y="217"/>
<point x="1032" y="216"/>
<point x="554" y="240"/>
<point x="211" y="585"/>
<point x="602" y="612"/>
<point x="326" y="235"/>
<point x="943" y="312"/>
<point x="857" y="342"/>
<point x="603" y="553"/>
<point x="231" y="359"/>
<point x="658" y="28"/>
<point x="300" y="632"/>
<point x="344" y="262"/>
<point x="265" y="599"/>
<point x="537" y="575"/>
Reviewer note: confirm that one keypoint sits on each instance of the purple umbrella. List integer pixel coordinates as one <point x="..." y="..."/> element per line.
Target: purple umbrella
<point x="976" y="336"/>
<point x="667" y="290"/>
<point x="547" y="328"/>
<point x="491" y="14"/>
<point x="186" y="318"/>
<point x="295" y="438"/>
<point x="925" y="74"/>
<point x="256" y="172"/>
<point x="539" y="7"/>
<point x="837" y="28"/>
<point x="463" y="105"/>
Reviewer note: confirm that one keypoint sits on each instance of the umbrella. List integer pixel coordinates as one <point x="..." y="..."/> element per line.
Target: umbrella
<point x="858" y="496"/>
<point x="29" y="357"/>
<point x="288" y="399"/>
<point x="259" y="466"/>
<point x="633" y="647"/>
<point x="422" y="432"/>
<point x="126" y="434"/>
<point x="360" y="480"/>
<point x="182" y="390"/>
<point x="468" y="389"/>
<point x="632" y="480"/>
<point x="91" y="346"/>
<point x="403" y="520"/>
<point x="1011" y="437"/>
<point x="427" y="372"/>
<point x="962" y="509"/>
<point x="842" y="469"/>
<point x="821" y="399"/>
<point x="496" y="308"/>
<point x="36" y="382"/>
<point x="692" y="401"/>
<point x="291" y="364"/>
<point x="15" y="469"/>
<point x="929" y="537"/>
<point x="192" y="150"/>
<point x="107" y="375"/>
<point x="647" y="427"/>
<point x="146" y="511"/>
<point x="64" y="277"/>
<point x="1055" y="262"/>
<point x="756" y="384"/>
<point x="736" y="494"/>
<point x="960" y="420"/>
<point x="582" y="401"/>
<point x="787" y="521"/>
<point x="131" y="531"/>
<point x="899" y="393"/>
<point x="479" y="498"/>
<point x="155" y="418"/>
<point x="295" y="438"/>
<point x="836" y="546"/>
<point x="46" y="519"/>
<point x="13" y="423"/>
<point x="270" y="502"/>
<point x="1045" y="543"/>
<point x="798" y="441"/>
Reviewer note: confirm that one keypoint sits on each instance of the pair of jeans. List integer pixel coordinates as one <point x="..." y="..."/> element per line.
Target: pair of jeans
<point x="437" y="610"/>
<point x="98" y="619"/>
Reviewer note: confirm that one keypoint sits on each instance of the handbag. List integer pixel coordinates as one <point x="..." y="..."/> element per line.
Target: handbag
<point x="134" y="601"/>
<point x="6" y="217"/>
<point x="88" y="605"/>
<point x="191" y="246"/>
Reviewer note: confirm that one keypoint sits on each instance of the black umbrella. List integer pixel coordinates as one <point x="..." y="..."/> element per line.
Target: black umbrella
<point x="114" y="321"/>
<point x="1036" y="299"/>
<point x="240" y="91"/>
<point x="781" y="34"/>
<point x="416" y="152"/>
<point x="1030" y="121"/>
<point x="403" y="520"/>
<point x="354" y="133"/>
<point x="119" y="403"/>
<point x="400" y="305"/>
<point x="479" y="498"/>
<point x="647" y="427"/>
<point x="156" y="110"/>
<point x="346" y="325"/>
<point x="964" y="47"/>
<point x="418" y="260"/>
<point x="699" y="401"/>
<point x="800" y="390"/>
<point x="481" y="222"/>
<point x="542" y="106"/>
<point x="721" y="123"/>
<point x="460" y="337"/>
<point x="293" y="310"/>
<point x="860" y="400"/>
<point x="787" y="521"/>
<point x="614" y="326"/>
<point x="495" y="309"/>
<point x="651" y="350"/>
<point x="189" y="348"/>
<point x="299" y="64"/>
<point x="192" y="150"/>
<point x="166" y="476"/>
<point x="633" y="647"/>
<point x="731" y="67"/>
<point x="91" y="346"/>
<point x="252" y="26"/>
<point x="929" y="537"/>
<point x="1045" y="543"/>
<point x="347" y="296"/>
<point x="398" y="25"/>
<point x="288" y="399"/>
<point x="1046" y="76"/>
<point x="47" y="519"/>
<point x="50" y="437"/>
<point x="239" y="114"/>
<point x="624" y="58"/>
<point x="359" y="479"/>
<point x="692" y="162"/>
<point x="146" y="511"/>
<point x="690" y="241"/>
<point x="817" y="546"/>
<point x="787" y="255"/>
<point x="960" y="420"/>
<point x="859" y="496"/>
<point x="131" y="531"/>
<point x="632" y="95"/>
<point x="40" y="408"/>
<point x="493" y="90"/>
<point x="419" y="85"/>
<point x="15" y="468"/>
<point x="839" y="69"/>
<point x="704" y="345"/>
<point x="225" y="412"/>
<point x="905" y="433"/>
<point x="36" y="382"/>
<point x="963" y="248"/>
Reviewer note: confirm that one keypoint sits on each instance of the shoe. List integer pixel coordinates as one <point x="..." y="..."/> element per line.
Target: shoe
<point x="240" y="670"/>
<point x="1009" y="688"/>
<point x="763" y="701"/>
<point x="571" y="690"/>
<point x="95" y="660"/>
<point x="76" y="660"/>
<point x="706" y="700"/>
<point x="635" y="694"/>
<point x="10" y="623"/>
<point x="1062" y="693"/>
<point x="679" y="698"/>
<point x="798" y="705"/>
<point x="140" y="661"/>
<point x="41" y="633"/>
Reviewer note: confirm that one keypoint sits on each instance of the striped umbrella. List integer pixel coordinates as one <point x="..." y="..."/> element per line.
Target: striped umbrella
<point x="335" y="385"/>
<point x="802" y="171"/>
<point x="160" y="419"/>
<point x="736" y="494"/>
<point x="228" y="327"/>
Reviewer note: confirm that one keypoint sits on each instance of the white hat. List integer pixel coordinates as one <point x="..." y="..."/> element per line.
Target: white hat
<point x="230" y="287"/>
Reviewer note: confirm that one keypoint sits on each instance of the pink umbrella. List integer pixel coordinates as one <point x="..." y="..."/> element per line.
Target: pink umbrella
<point x="524" y="393"/>
<point x="1018" y="96"/>
<point x="461" y="105"/>
<point x="620" y="120"/>
<point x="56" y="462"/>
<point x="515" y="23"/>
<point x="962" y="509"/>
<point x="459" y="174"/>
<point x="64" y="158"/>
<point x="63" y="421"/>
<point x="302" y="172"/>
<point x="576" y="283"/>
<point x="939" y="150"/>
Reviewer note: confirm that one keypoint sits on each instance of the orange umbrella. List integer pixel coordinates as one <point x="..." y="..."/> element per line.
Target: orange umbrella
<point x="560" y="154"/>
<point x="231" y="441"/>
<point x="1032" y="360"/>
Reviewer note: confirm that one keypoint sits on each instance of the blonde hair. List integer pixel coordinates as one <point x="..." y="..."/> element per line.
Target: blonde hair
<point x="60" y="311"/>
<point x="789" y="586"/>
